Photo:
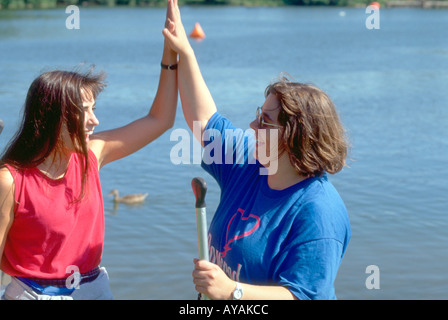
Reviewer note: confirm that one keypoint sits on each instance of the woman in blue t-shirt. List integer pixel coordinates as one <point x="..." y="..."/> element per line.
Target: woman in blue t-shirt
<point x="281" y="229"/>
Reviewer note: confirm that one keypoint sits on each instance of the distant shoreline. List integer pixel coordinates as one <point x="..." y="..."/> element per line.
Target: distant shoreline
<point x="417" y="4"/>
<point x="50" y="4"/>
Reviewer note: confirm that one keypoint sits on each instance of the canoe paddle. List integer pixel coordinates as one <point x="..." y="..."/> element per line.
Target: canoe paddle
<point x="199" y="189"/>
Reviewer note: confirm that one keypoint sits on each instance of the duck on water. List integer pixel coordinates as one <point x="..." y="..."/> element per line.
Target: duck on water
<point x="128" y="199"/>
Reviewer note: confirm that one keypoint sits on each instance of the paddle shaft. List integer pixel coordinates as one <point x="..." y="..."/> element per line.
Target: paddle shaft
<point x="199" y="189"/>
<point x="201" y="222"/>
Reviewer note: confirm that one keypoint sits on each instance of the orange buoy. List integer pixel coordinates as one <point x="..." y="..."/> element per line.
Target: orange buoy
<point x="375" y="4"/>
<point x="197" y="32"/>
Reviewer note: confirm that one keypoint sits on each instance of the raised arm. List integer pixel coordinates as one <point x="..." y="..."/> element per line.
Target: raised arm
<point x="114" y="144"/>
<point x="197" y="102"/>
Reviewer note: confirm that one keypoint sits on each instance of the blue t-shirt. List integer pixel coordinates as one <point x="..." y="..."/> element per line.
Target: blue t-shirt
<point x="294" y="237"/>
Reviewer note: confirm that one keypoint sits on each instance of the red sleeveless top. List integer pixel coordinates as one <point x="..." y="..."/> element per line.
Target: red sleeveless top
<point x="52" y="232"/>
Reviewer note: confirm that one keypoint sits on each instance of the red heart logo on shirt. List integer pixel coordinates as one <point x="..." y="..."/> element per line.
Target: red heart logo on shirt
<point x="236" y="218"/>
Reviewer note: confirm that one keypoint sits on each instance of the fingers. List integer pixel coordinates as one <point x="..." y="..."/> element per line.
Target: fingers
<point x="202" y="270"/>
<point x="168" y="36"/>
<point x="174" y="31"/>
<point x="167" y="33"/>
<point x="171" y="17"/>
<point x="170" y="9"/>
<point x="170" y="25"/>
<point x="173" y="11"/>
<point x="170" y="28"/>
<point x="203" y="265"/>
<point x="171" y="14"/>
<point x="202" y="278"/>
<point x="211" y="280"/>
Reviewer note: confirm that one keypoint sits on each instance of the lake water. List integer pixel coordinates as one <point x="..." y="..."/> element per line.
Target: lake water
<point x="389" y="85"/>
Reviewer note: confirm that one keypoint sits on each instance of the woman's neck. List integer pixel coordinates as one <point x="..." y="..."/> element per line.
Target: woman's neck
<point x="55" y="165"/>
<point x="285" y="174"/>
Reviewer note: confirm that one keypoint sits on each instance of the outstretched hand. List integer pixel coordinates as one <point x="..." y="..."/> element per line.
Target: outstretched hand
<point x="174" y="31"/>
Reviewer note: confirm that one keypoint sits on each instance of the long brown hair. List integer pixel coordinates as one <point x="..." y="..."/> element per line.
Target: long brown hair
<point x="312" y="135"/>
<point x="54" y="99"/>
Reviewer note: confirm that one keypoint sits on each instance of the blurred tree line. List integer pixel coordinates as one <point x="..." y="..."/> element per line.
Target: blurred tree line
<point x="44" y="4"/>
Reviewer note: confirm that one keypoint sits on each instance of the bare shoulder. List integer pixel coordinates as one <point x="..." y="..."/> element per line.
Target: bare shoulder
<point x="6" y="194"/>
<point x="6" y="179"/>
<point x="6" y="185"/>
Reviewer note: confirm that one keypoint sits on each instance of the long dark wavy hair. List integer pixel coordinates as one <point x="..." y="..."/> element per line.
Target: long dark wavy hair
<point x="54" y="99"/>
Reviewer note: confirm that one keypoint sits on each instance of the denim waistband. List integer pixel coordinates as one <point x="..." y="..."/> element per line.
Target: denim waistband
<point x="58" y="286"/>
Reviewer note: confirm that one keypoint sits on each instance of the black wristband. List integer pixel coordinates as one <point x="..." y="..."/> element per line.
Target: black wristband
<point x="168" y="66"/>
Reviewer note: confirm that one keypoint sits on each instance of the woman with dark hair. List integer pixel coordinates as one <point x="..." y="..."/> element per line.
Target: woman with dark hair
<point x="51" y="206"/>
<point x="281" y="229"/>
